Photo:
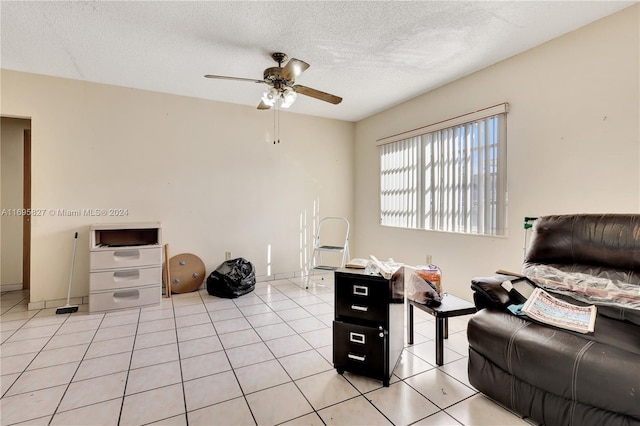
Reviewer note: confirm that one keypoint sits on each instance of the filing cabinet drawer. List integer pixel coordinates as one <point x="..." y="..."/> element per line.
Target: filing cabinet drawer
<point x="360" y="349"/>
<point x="364" y="310"/>
<point x="124" y="278"/>
<point x="125" y="257"/>
<point x="125" y="298"/>
<point x="362" y="299"/>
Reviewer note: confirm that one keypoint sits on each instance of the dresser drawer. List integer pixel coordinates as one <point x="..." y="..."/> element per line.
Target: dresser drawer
<point x="125" y="258"/>
<point x="362" y="299"/>
<point x="360" y="349"/>
<point x="125" y="298"/>
<point x="124" y="278"/>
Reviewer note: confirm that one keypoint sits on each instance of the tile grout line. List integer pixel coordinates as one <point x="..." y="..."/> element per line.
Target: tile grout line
<point x="272" y="354"/>
<point x="347" y="380"/>
<point x="316" y="411"/>
<point x="4" y="395"/>
<point x="126" y="381"/>
<point x="184" y="393"/>
<point x="229" y="361"/>
<point x="283" y="321"/>
<point x="285" y="370"/>
<point x="435" y="367"/>
<point x="55" y="411"/>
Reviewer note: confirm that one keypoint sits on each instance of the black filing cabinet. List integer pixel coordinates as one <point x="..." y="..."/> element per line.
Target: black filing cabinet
<point x="368" y="327"/>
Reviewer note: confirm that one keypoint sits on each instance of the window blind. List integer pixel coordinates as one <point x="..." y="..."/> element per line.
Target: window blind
<point x="451" y="179"/>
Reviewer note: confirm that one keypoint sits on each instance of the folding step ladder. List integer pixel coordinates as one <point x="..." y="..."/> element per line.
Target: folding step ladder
<point x="319" y="246"/>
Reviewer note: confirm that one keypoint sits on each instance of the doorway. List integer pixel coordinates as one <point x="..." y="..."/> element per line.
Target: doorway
<point x="15" y="202"/>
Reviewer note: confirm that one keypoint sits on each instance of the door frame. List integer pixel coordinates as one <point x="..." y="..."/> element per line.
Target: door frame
<point x="26" y="204"/>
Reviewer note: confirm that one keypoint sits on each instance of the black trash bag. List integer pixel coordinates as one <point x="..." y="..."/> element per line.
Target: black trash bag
<point x="232" y="279"/>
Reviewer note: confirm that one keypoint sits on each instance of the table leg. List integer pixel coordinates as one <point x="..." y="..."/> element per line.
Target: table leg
<point x="446" y="328"/>
<point x="410" y="323"/>
<point x="440" y="327"/>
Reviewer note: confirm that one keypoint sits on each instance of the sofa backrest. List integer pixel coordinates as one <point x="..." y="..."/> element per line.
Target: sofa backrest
<point x="589" y="240"/>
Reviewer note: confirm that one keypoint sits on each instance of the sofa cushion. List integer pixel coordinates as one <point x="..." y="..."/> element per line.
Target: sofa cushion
<point x="601" y="369"/>
<point x="537" y="404"/>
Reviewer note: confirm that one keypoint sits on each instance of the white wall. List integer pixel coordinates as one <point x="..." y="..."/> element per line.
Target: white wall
<point x="207" y="170"/>
<point x="11" y="194"/>
<point x="573" y="145"/>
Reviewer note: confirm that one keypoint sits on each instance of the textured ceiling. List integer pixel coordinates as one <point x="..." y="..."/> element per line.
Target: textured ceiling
<point x="373" y="54"/>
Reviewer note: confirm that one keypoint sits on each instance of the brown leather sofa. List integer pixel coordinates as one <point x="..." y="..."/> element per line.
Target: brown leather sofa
<point x="555" y="376"/>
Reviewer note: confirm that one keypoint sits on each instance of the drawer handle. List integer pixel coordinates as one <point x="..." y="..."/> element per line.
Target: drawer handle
<point x="129" y="275"/>
<point x="360" y="290"/>
<point x="360" y="308"/>
<point x="356" y="337"/>
<point x="128" y="294"/>
<point x="354" y="357"/>
<point x="128" y="254"/>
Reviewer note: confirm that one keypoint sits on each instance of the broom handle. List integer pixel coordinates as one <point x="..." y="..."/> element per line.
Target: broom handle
<point x="73" y="261"/>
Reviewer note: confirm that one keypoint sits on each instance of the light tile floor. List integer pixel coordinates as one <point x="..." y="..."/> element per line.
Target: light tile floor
<point x="264" y="358"/>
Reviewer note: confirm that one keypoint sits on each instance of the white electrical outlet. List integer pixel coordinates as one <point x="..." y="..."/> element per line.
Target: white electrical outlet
<point x="227" y="255"/>
<point x="428" y="259"/>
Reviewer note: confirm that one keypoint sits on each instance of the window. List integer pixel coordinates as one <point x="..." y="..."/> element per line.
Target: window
<point x="448" y="177"/>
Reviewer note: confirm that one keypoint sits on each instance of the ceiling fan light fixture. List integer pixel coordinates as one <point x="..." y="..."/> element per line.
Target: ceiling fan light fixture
<point x="288" y="97"/>
<point x="281" y="86"/>
<point x="270" y="96"/>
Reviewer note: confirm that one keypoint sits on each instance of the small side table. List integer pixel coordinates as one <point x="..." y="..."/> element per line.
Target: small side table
<point x="450" y="307"/>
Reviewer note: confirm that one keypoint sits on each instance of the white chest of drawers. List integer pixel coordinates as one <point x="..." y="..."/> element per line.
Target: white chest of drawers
<point x="125" y="266"/>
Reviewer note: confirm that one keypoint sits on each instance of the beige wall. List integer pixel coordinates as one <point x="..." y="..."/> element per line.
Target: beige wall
<point x="573" y="145"/>
<point x="207" y="170"/>
<point x="11" y="166"/>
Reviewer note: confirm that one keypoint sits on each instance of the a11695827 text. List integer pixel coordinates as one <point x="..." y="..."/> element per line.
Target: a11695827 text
<point x="95" y="212"/>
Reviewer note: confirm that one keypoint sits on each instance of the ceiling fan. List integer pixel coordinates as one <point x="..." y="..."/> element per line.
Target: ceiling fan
<point x="281" y="82"/>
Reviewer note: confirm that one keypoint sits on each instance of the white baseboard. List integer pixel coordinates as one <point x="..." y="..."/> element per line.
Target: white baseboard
<point x="10" y="287"/>
<point x="57" y="303"/>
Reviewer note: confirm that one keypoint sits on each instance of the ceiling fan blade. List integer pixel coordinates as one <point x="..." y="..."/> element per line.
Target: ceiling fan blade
<point x="323" y="96"/>
<point x="293" y="69"/>
<point x="262" y="105"/>
<point x="224" y="77"/>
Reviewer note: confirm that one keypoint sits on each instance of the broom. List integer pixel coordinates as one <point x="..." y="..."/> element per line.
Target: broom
<point x="69" y="309"/>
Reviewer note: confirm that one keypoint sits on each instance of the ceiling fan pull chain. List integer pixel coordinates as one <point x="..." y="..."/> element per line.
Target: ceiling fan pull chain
<point x="276" y="124"/>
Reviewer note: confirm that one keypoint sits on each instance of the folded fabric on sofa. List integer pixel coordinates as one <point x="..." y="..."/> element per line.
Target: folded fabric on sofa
<point x="586" y="287"/>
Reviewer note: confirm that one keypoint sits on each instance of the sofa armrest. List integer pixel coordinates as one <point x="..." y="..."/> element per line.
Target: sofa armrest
<point x="489" y="293"/>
